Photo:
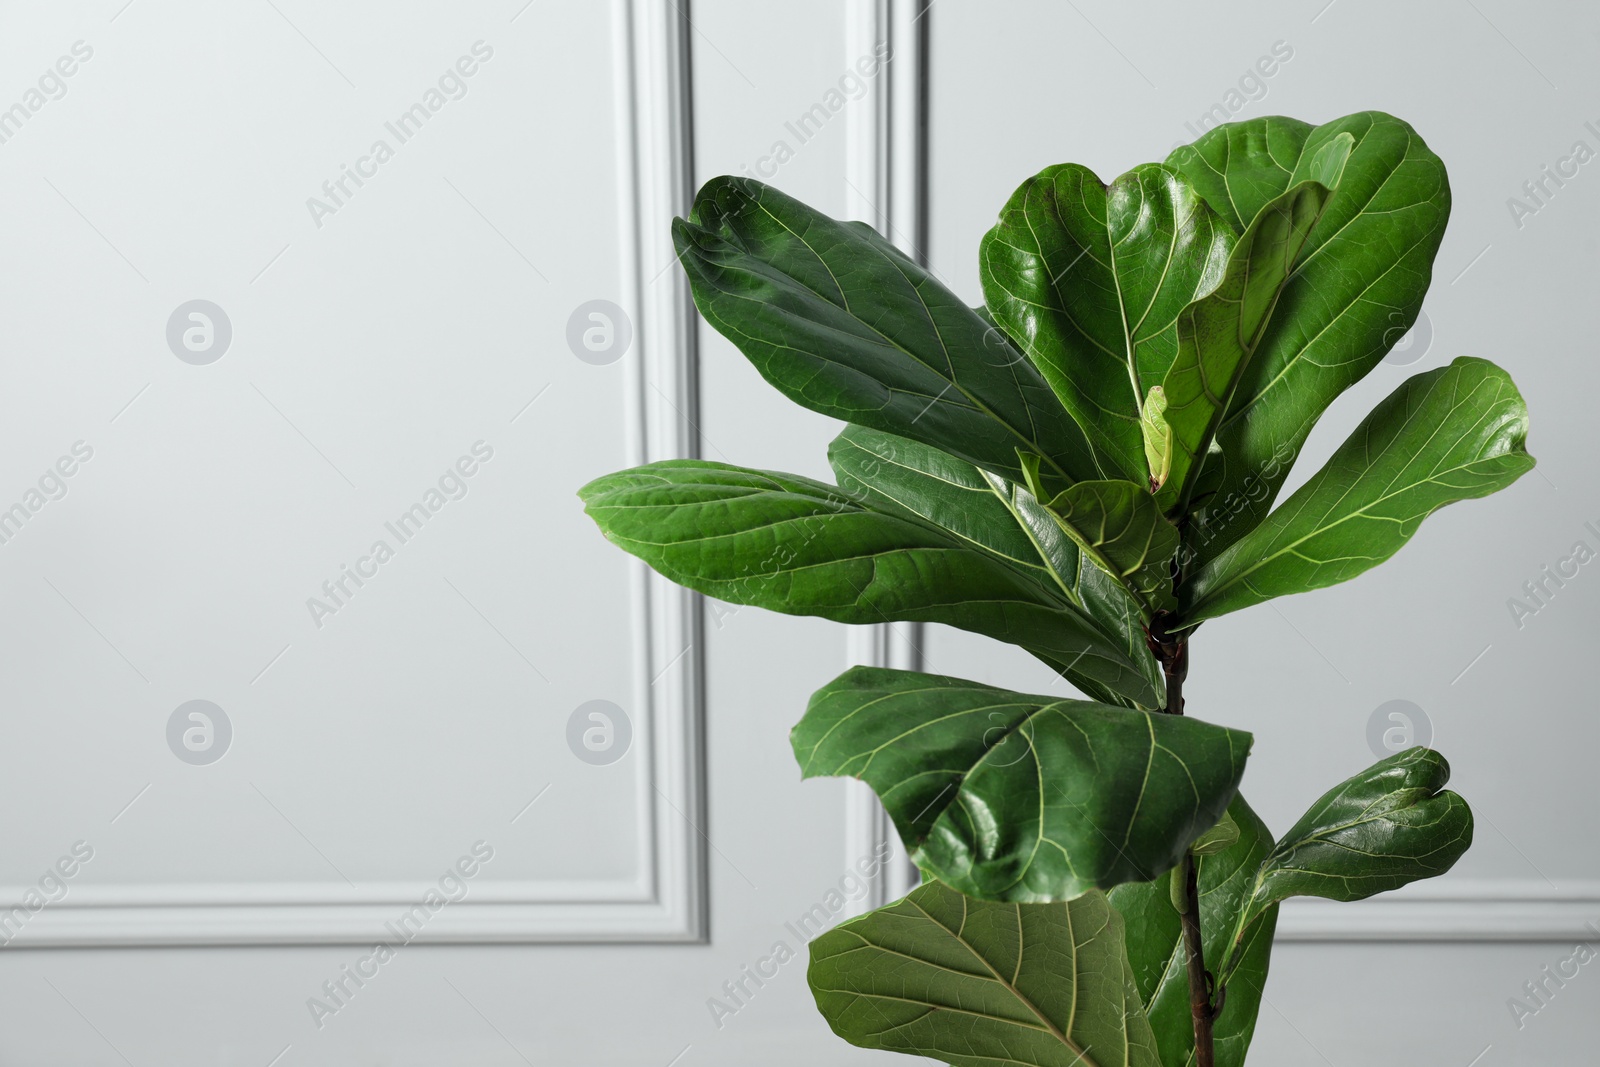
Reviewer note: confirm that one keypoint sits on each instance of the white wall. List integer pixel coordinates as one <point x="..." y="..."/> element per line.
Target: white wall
<point x="371" y="351"/>
<point x="367" y="354"/>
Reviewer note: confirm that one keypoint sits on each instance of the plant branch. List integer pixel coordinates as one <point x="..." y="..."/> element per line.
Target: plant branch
<point x="1200" y="1008"/>
<point x="1172" y="650"/>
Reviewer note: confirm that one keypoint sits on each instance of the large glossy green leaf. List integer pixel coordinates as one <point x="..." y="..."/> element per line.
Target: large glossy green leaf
<point x="1007" y="796"/>
<point x="1388" y="826"/>
<point x="842" y="323"/>
<point x="1356" y="289"/>
<point x="795" y="545"/>
<point x="978" y="984"/>
<point x="1090" y="279"/>
<point x="1449" y="434"/>
<point x="907" y="477"/>
<point x="1159" y="958"/>
<point x="902" y="476"/>
<point x="1218" y="334"/>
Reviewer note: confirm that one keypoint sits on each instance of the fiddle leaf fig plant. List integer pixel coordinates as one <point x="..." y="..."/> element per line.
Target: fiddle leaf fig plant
<point x="1087" y="467"/>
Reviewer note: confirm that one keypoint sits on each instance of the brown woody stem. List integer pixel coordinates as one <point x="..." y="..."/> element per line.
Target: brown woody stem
<point x="1199" y="978"/>
<point x="1172" y="650"/>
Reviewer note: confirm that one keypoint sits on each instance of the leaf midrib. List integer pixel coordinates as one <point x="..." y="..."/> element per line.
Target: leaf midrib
<point x="1219" y="413"/>
<point x="1054" y="1030"/>
<point x="1318" y="531"/>
<point x="951" y="375"/>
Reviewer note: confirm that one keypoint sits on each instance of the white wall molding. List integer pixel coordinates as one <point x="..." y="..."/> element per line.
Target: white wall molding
<point x="1464" y="910"/>
<point x="667" y="902"/>
<point x="886" y="185"/>
<point x="655" y="67"/>
<point x="886" y="165"/>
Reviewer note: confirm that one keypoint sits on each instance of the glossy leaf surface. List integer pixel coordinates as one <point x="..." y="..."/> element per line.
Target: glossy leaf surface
<point x="1103" y="597"/>
<point x="1388" y="826"/>
<point x="1449" y="434"/>
<point x="1090" y="280"/>
<point x="1356" y="288"/>
<point x="799" y="546"/>
<point x="976" y="984"/>
<point x="1119" y="526"/>
<point x="1007" y="796"/>
<point x="1150" y="359"/>
<point x="1218" y="334"/>
<point x="902" y="476"/>
<point x="842" y="323"/>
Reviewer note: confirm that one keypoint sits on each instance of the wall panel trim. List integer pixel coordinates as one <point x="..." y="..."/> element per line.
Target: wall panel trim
<point x="668" y="902"/>
<point x="886" y="185"/>
<point x="1460" y="910"/>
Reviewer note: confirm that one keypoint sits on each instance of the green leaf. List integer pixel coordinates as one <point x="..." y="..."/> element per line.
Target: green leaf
<point x="976" y="984"/>
<point x="1449" y="434"/>
<point x="1390" y="825"/>
<point x="1159" y="958"/>
<point x="1104" y="597"/>
<point x="1356" y="289"/>
<point x="905" y="477"/>
<point x="1157" y="437"/>
<point x="1218" y="333"/>
<point x="1089" y="280"/>
<point x="1217" y="839"/>
<point x="1006" y="796"/>
<point x="1120" y="527"/>
<point x="842" y="323"/>
<point x="794" y="545"/>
